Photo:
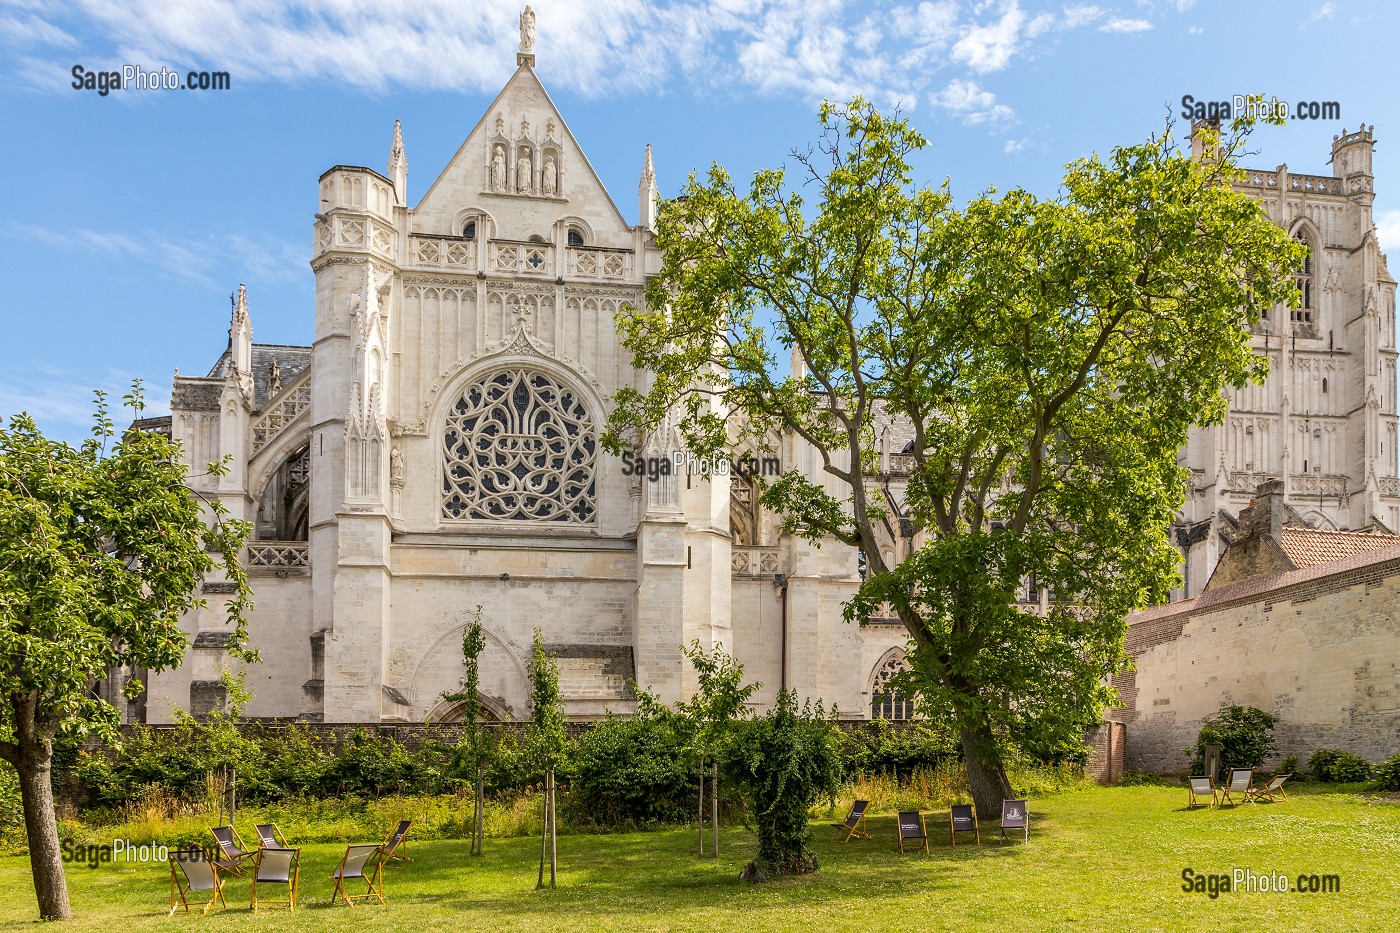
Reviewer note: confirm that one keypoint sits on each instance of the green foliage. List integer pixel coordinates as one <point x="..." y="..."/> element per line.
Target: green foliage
<point x="720" y="699"/>
<point x="1291" y="765"/>
<point x="1049" y="357"/>
<point x="1245" y="736"/>
<point x="11" y="810"/>
<point x="880" y="748"/>
<point x="1331" y="766"/>
<point x="632" y="772"/>
<point x="1388" y="774"/>
<point x="547" y="740"/>
<point x="783" y="762"/>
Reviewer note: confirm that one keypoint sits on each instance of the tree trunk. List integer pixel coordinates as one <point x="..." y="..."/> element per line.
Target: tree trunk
<point x="553" y="832"/>
<point x="479" y="797"/>
<point x="714" y="809"/>
<point x="34" y="762"/>
<point x="988" y="782"/>
<point x="544" y="834"/>
<point x="700" y="809"/>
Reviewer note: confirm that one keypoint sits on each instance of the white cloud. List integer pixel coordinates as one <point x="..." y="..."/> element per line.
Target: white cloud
<point x="1127" y="26"/>
<point x="1388" y="230"/>
<point x="53" y="396"/>
<point x="1326" y="11"/>
<point x="990" y="47"/>
<point x="1013" y="146"/>
<point x="972" y="104"/>
<point x="1080" y="14"/>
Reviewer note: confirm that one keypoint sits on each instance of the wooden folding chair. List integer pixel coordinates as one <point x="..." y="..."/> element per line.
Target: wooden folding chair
<point x="911" y="829"/>
<point x="854" y="824"/>
<point x="365" y="862"/>
<point x="1015" y="815"/>
<point x="962" y="818"/>
<point x="1200" y="787"/>
<point x="396" y="845"/>
<point x="269" y="836"/>
<point x="232" y="849"/>
<point x="192" y="870"/>
<point x="1272" y="792"/>
<point x="1241" y="783"/>
<point x="276" y="865"/>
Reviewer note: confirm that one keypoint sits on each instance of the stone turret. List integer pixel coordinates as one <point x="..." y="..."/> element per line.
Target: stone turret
<point x="1351" y="162"/>
<point x="398" y="167"/>
<point x="647" y="194"/>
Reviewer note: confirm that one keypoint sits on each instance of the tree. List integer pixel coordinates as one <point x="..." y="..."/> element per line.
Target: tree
<point x="546" y="745"/>
<point x="712" y="712"/>
<point x="473" y="753"/>
<point x="1046" y="358"/>
<point x="784" y="761"/>
<point x="101" y="553"/>
<point x="1245" y="736"/>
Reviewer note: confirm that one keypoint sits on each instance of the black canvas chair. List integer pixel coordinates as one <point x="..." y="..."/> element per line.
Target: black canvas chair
<point x="1014" y="815"/>
<point x="269" y="836"/>
<point x="193" y="870"/>
<point x="854" y="824"/>
<point x="396" y="845"/>
<point x="911" y="829"/>
<point x="276" y="866"/>
<point x="234" y="853"/>
<point x="1241" y="784"/>
<point x="1199" y="789"/>
<point x="365" y="863"/>
<point x="962" y="818"/>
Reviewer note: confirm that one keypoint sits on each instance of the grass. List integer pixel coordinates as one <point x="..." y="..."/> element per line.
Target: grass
<point x="1098" y="859"/>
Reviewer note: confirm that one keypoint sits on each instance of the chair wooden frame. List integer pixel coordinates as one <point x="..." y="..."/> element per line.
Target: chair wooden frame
<point x="855" y="823"/>
<point x="354" y="865"/>
<point x="1238" y="785"/>
<point x="396" y="841"/>
<point x="1025" y="819"/>
<point x="233" y="849"/>
<point x="899" y="828"/>
<point x="268" y="869"/>
<point x="1196" y="791"/>
<point x="181" y="883"/>
<point x="269" y="836"/>
<point x="964" y="810"/>
<point x="1271" y="792"/>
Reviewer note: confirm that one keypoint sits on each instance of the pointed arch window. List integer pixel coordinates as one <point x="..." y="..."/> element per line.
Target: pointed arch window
<point x="1303" y="314"/>
<point x="885" y="701"/>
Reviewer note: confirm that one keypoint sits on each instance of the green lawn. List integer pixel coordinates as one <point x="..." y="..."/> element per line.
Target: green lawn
<point x="1098" y="859"/>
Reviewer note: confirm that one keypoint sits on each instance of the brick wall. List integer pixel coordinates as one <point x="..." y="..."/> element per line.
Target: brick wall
<point x="1108" y="756"/>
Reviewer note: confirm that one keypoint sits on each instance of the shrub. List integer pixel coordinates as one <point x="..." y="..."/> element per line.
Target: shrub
<point x="631" y="771"/>
<point x="1245" y="736"/>
<point x="1291" y="766"/>
<point x="880" y="748"/>
<point x="1388" y="774"/>
<point x="1337" y="767"/>
<point x="11" y="813"/>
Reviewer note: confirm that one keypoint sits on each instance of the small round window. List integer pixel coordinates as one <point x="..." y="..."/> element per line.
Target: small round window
<point x="575" y="237"/>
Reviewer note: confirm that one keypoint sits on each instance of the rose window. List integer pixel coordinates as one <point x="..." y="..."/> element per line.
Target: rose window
<point x="519" y="447"/>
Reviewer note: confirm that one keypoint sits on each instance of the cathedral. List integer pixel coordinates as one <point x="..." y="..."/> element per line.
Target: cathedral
<point x="436" y="449"/>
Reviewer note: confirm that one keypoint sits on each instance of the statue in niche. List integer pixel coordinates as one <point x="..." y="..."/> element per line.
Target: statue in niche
<point x="524" y="174"/>
<point x="498" y="170"/>
<point x="527" y="30"/>
<point x="396" y="468"/>
<point x="525" y="127"/>
<point x="547" y="183"/>
<point x="274" y="378"/>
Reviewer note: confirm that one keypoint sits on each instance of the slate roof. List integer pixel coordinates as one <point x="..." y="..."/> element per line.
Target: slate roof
<point x="291" y="360"/>
<point x="1308" y="547"/>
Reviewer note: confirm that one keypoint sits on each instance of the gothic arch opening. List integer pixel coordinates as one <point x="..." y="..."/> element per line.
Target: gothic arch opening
<point x="282" y="509"/>
<point x="885" y="701"/>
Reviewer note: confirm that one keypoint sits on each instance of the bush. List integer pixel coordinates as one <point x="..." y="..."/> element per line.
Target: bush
<point x="880" y="748"/>
<point x="1388" y="774"/>
<point x="1337" y="767"/>
<point x="11" y="809"/>
<point x="1245" y="736"/>
<point x="632" y="772"/>
<point x="1291" y="766"/>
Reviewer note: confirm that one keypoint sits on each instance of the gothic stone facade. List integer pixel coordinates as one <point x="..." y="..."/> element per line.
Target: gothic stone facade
<point x="436" y="448"/>
<point x="1324" y="423"/>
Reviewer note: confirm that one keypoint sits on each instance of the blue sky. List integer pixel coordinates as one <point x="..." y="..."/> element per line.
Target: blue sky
<point x="129" y="218"/>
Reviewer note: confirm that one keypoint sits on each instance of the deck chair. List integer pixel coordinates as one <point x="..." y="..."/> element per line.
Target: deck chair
<point x="1241" y="783"/>
<point x="962" y="818"/>
<point x="1201" y="786"/>
<point x="1272" y="792"/>
<point x="269" y="836"/>
<point x="854" y="824"/>
<point x="1015" y="815"/>
<point x="912" y="830"/>
<point x="193" y="870"/>
<point x="365" y="862"/>
<point x="233" y="851"/>
<point x="274" y="866"/>
<point x="396" y="845"/>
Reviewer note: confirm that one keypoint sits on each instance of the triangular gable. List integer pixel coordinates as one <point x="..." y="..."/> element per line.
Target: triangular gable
<point x="466" y="182"/>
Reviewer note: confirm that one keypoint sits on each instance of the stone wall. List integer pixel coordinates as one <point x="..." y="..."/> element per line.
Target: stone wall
<point x="1318" y="647"/>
